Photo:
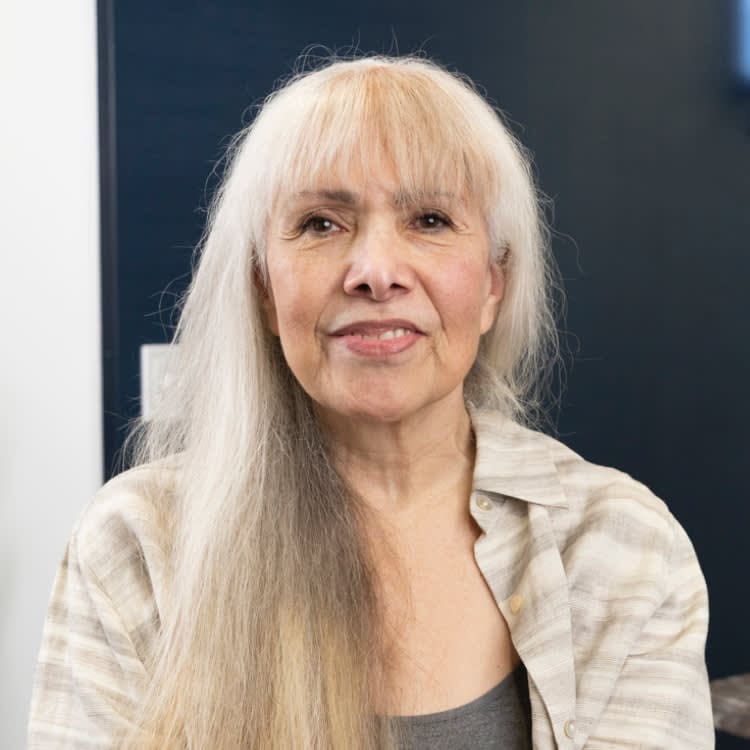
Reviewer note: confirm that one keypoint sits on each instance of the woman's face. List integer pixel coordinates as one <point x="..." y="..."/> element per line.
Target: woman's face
<point x="379" y="297"/>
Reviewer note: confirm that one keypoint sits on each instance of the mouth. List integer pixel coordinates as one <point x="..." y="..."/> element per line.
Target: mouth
<point x="380" y="330"/>
<point x="378" y="339"/>
<point x="391" y="333"/>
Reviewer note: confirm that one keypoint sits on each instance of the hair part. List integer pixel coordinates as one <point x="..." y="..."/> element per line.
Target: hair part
<point x="271" y="633"/>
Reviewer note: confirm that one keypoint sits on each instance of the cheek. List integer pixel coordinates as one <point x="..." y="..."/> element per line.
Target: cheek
<point x="288" y="293"/>
<point x="463" y="294"/>
<point x="300" y="296"/>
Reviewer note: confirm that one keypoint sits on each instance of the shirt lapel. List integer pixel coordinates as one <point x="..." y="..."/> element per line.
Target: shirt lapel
<point x="515" y="481"/>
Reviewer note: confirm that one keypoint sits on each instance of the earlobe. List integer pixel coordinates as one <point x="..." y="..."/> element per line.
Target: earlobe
<point x="494" y="294"/>
<point x="497" y="277"/>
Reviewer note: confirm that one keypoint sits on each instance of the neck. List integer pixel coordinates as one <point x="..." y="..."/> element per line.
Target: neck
<point x="401" y="467"/>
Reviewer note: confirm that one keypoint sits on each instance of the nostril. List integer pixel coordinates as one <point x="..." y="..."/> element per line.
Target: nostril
<point x="377" y="289"/>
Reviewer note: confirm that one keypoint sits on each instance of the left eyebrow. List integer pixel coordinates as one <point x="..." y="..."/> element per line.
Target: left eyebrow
<point x="406" y="198"/>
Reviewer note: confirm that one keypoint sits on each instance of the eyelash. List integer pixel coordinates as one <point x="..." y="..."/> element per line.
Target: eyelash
<point x="308" y="222"/>
<point x="444" y="221"/>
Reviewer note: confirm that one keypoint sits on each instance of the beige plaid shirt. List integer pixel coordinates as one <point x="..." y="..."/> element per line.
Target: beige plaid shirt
<point x="599" y="584"/>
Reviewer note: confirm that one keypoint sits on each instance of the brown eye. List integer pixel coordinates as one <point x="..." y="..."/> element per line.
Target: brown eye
<point x="318" y="225"/>
<point x="432" y="221"/>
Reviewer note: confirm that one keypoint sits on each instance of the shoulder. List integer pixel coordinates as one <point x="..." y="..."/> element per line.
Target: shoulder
<point x="606" y="500"/>
<point x="602" y="518"/>
<point x="612" y="522"/>
<point x="105" y="612"/>
<point x="121" y="539"/>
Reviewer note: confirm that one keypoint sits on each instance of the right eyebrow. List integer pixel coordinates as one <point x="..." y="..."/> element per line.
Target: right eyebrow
<point x="337" y="196"/>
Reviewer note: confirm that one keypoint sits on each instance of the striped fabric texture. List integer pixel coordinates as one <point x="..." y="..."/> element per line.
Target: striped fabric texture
<point x="599" y="584"/>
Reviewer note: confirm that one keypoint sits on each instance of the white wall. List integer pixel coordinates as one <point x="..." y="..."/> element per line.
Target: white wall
<point x="50" y="385"/>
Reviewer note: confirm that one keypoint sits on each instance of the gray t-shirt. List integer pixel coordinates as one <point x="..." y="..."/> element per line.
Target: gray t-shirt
<point x="500" y="718"/>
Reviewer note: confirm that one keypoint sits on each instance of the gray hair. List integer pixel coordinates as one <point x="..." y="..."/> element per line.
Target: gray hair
<point x="270" y="634"/>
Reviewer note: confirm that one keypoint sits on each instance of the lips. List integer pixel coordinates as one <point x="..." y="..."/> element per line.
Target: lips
<point x="378" y="340"/>
<point x="378" y="329"/>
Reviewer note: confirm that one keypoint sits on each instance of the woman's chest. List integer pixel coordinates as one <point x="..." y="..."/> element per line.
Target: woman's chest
<point x="446" y="642"/>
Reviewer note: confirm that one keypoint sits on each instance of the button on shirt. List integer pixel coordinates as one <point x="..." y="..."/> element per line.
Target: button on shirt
<point x="599" y="585"/>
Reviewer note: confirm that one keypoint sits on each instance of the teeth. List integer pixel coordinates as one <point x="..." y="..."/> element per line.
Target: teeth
<point x="392" y="334"/>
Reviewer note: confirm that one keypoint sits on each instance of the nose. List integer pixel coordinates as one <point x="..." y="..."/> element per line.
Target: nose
<point x="379" y="268"/>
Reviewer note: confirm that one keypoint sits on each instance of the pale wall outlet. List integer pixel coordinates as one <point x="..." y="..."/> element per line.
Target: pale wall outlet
<point x="154" y="359"/>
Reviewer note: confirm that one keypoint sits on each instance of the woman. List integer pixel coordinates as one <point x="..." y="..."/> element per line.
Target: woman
<point x="338" y="533"/>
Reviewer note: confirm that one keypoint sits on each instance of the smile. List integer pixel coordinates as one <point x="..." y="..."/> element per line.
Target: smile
<point x="393" y="333"/>
<point x="378" y="339"/>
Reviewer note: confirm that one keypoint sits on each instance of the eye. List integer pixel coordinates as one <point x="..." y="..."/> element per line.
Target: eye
<point x="319" y="225"/>
<point x="432" y="221"/>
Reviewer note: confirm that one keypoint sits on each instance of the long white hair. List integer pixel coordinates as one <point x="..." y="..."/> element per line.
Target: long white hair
<point x="270" y="634"/>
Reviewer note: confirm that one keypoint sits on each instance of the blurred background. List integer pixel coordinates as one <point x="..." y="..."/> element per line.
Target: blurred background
<point x="638" y="116"/>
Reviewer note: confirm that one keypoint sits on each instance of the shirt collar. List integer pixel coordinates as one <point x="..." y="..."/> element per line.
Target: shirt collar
<point x="514" y="461"/>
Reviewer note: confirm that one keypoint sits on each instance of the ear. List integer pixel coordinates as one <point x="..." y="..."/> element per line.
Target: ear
<point x="265" y="296"/>
<point x="495" y="291"/>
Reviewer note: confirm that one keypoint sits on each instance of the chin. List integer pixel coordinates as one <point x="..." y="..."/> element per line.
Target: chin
<point x="389" y="413"/>
<point x="366" y="408"/>
<point x="386" y="402"/>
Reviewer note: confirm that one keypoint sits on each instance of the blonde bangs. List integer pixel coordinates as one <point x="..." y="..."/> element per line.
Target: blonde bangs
<point x="354" y="118"/>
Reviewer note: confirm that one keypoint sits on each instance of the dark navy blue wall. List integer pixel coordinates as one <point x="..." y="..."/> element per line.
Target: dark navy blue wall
<point x="640" y="139"/>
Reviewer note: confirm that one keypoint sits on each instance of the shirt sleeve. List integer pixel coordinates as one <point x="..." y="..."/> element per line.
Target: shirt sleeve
<point x="89" y="673"/>
<point x="662" y="699"/>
